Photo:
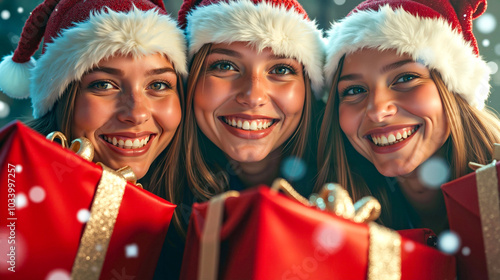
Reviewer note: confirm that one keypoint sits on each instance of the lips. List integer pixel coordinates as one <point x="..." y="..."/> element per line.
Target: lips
<point x="248" y="127"/>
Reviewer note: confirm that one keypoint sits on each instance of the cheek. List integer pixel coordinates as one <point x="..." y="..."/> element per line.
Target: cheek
<point x="291" y="98"/>
<point x="168" y="113"/>
<point x="89" y="115"/>
<point x="349" y="121"/>
<point x="209" y="94"/>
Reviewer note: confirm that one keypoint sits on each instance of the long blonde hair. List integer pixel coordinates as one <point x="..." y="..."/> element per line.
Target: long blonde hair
<point x="472" y="134"/>
<point x="206" y="165"/>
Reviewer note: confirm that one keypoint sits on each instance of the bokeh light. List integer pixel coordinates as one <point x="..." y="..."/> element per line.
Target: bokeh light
<point x="465" y="251"/>
<point x="486" y="43"/>
<point x="21" y="201"/>
<point x="58" y="274"/>
<point x="19" y="168"/>
<point x="434" y="172"/>
<point x="4" y="109"/>
<point x="5" y="15"/>
<point x="486" y="23"/>
<point x="497" y="49"/>
<point x="339" y="2"/>
<point x="132" y="251"/>
<point x="293" y="168"/>
<point x="20" y="10"/>
<point x="37" y="194"/>
<point x="448" y="242"/>
<point x="493" y="67"/>
<point x="329" y="237"/>
<point x="83" y="215"/>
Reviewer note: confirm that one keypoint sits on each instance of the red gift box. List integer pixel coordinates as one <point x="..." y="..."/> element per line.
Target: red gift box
<point x="40" y="230"/>
<point x="265" y="235"/>
<point x="463" y="198"/>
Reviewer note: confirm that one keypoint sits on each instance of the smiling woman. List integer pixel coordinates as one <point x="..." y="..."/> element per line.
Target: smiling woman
<point x="249" y="92"/>
<point x="399" y="100"/>
<point x="110" y="71"/>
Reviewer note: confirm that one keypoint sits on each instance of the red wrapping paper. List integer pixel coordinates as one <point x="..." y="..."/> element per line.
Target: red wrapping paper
<point x="268" y="236"/>
<point x="462" y="205"/>
<point x="53" y="187"/>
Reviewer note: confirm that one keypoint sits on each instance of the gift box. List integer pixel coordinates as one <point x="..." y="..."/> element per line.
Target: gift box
<point x="473" y="207"/>
<point x="63" y="216"/>
<point x="262" y="234"/>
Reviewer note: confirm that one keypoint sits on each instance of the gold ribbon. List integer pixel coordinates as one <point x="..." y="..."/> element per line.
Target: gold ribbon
<point x="208" y="262"/>
<point x="489" y="210"/>
<point x="97" y="233"/>
<point x="384" y="255"/>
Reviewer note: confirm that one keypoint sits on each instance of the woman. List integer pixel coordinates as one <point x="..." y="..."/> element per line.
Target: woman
<point x="249" y="98"/>
<point x="411" y="87"/>
<point x="111" y="72"/>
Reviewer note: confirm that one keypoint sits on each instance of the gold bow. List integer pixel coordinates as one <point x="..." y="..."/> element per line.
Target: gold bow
<point x="84" y="148"/>
<point x="384" y="252"/>
<point x="334" y="198"/>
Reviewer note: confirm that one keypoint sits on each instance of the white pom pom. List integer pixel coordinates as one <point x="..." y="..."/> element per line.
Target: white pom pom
<point x="14" y="77"/>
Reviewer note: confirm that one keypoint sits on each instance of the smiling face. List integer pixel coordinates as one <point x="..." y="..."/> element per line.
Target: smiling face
<point x="129" y="109"/>
<point x="248" y="103"/>
<point x="390" y="110"/>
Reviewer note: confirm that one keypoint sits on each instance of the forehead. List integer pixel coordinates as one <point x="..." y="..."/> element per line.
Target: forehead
<point x="371" y="58"/>
<point x="246" y="48"/>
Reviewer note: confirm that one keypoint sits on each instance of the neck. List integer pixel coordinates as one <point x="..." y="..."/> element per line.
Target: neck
<point x="427" y="202"/>
<point x="261" y="172"/>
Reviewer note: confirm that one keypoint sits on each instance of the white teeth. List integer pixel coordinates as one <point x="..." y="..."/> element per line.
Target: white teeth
<point x="405" y="135"/>
<point x="142" y="143"/>
<point x="398" y="136"/>
<point x="115" y="141"/>
<point x="128" y="144"/>
<point x="384" y="140"/>
<point x="391" y="138"/>
<point x="136" y="144"/>
<point x="246" y="125"/>
<point x="374" y="139"/>
<point x="409" y="132"/>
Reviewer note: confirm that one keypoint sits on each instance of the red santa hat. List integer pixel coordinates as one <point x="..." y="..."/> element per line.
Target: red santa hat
<point x="77" y="35"/>
<point x="281" y="25"/>
<point x="435" y="32"/>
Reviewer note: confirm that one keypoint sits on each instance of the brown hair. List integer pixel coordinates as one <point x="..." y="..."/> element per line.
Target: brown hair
<point x="164" y="175"/>
<point x="472" y="134"/>
<point x="205" y="163"/>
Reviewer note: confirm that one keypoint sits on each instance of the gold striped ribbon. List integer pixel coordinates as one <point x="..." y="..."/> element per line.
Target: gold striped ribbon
<point x="489" y="210"/>
<point x="97" y="233"/>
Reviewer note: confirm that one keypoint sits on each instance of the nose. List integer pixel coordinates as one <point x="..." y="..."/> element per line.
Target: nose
<point x="253" y="92"/>
<point x="134" y="107"/>
<point x="381" y="105"/>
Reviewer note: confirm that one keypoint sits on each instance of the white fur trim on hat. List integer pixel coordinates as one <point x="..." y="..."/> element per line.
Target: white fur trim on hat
<point x="14" y="77"/>
<point x="106" y="33"/>
<point x="262" y="25"/>
<point x="431" y="41"/>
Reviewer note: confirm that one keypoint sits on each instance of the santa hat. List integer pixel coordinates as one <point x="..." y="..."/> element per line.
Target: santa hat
<point x="281" y="25"/>
<point x="79" y="34"/>
<point x="436" y="32"/>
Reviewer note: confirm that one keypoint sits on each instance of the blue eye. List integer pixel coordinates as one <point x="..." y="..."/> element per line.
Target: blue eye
<point x="222" y="66"/>
<point x="101" y="85"/>
<point x="406" y="78"/>
<point x="283" y="70"/>
<point x="160" y="86"/>
<point x="353" y="91"/>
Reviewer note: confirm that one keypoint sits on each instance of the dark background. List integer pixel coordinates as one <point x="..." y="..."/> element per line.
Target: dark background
<point x="13" y="14"/>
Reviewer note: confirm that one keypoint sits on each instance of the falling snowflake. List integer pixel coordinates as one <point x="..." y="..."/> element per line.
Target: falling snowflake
<point x="21" y="201"/>
<point x="19" y="168"/>
<point x="486" y="23"/>
<point x="131" y="251"/>
<point x="434" y="172"/>
<point x="83" y="215"/>
<point x="448" y="242"/>
<point x="293" y="168"/>
<point x="4" y="109"/>
<point x="58" y="274"/>
<point x="5" y="15"/>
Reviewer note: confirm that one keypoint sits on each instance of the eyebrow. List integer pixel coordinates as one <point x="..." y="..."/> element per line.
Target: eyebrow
<point x="384" y="69"/>
<point x="239" y="55"/>
<point x="118" y="72"/>
<point x="160" y="71"/>
<point x="226" y="52"/>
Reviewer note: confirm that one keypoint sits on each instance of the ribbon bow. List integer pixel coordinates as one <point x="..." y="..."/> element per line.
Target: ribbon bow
<point x="84" y="148"/>
<point x="334" y="198"/>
